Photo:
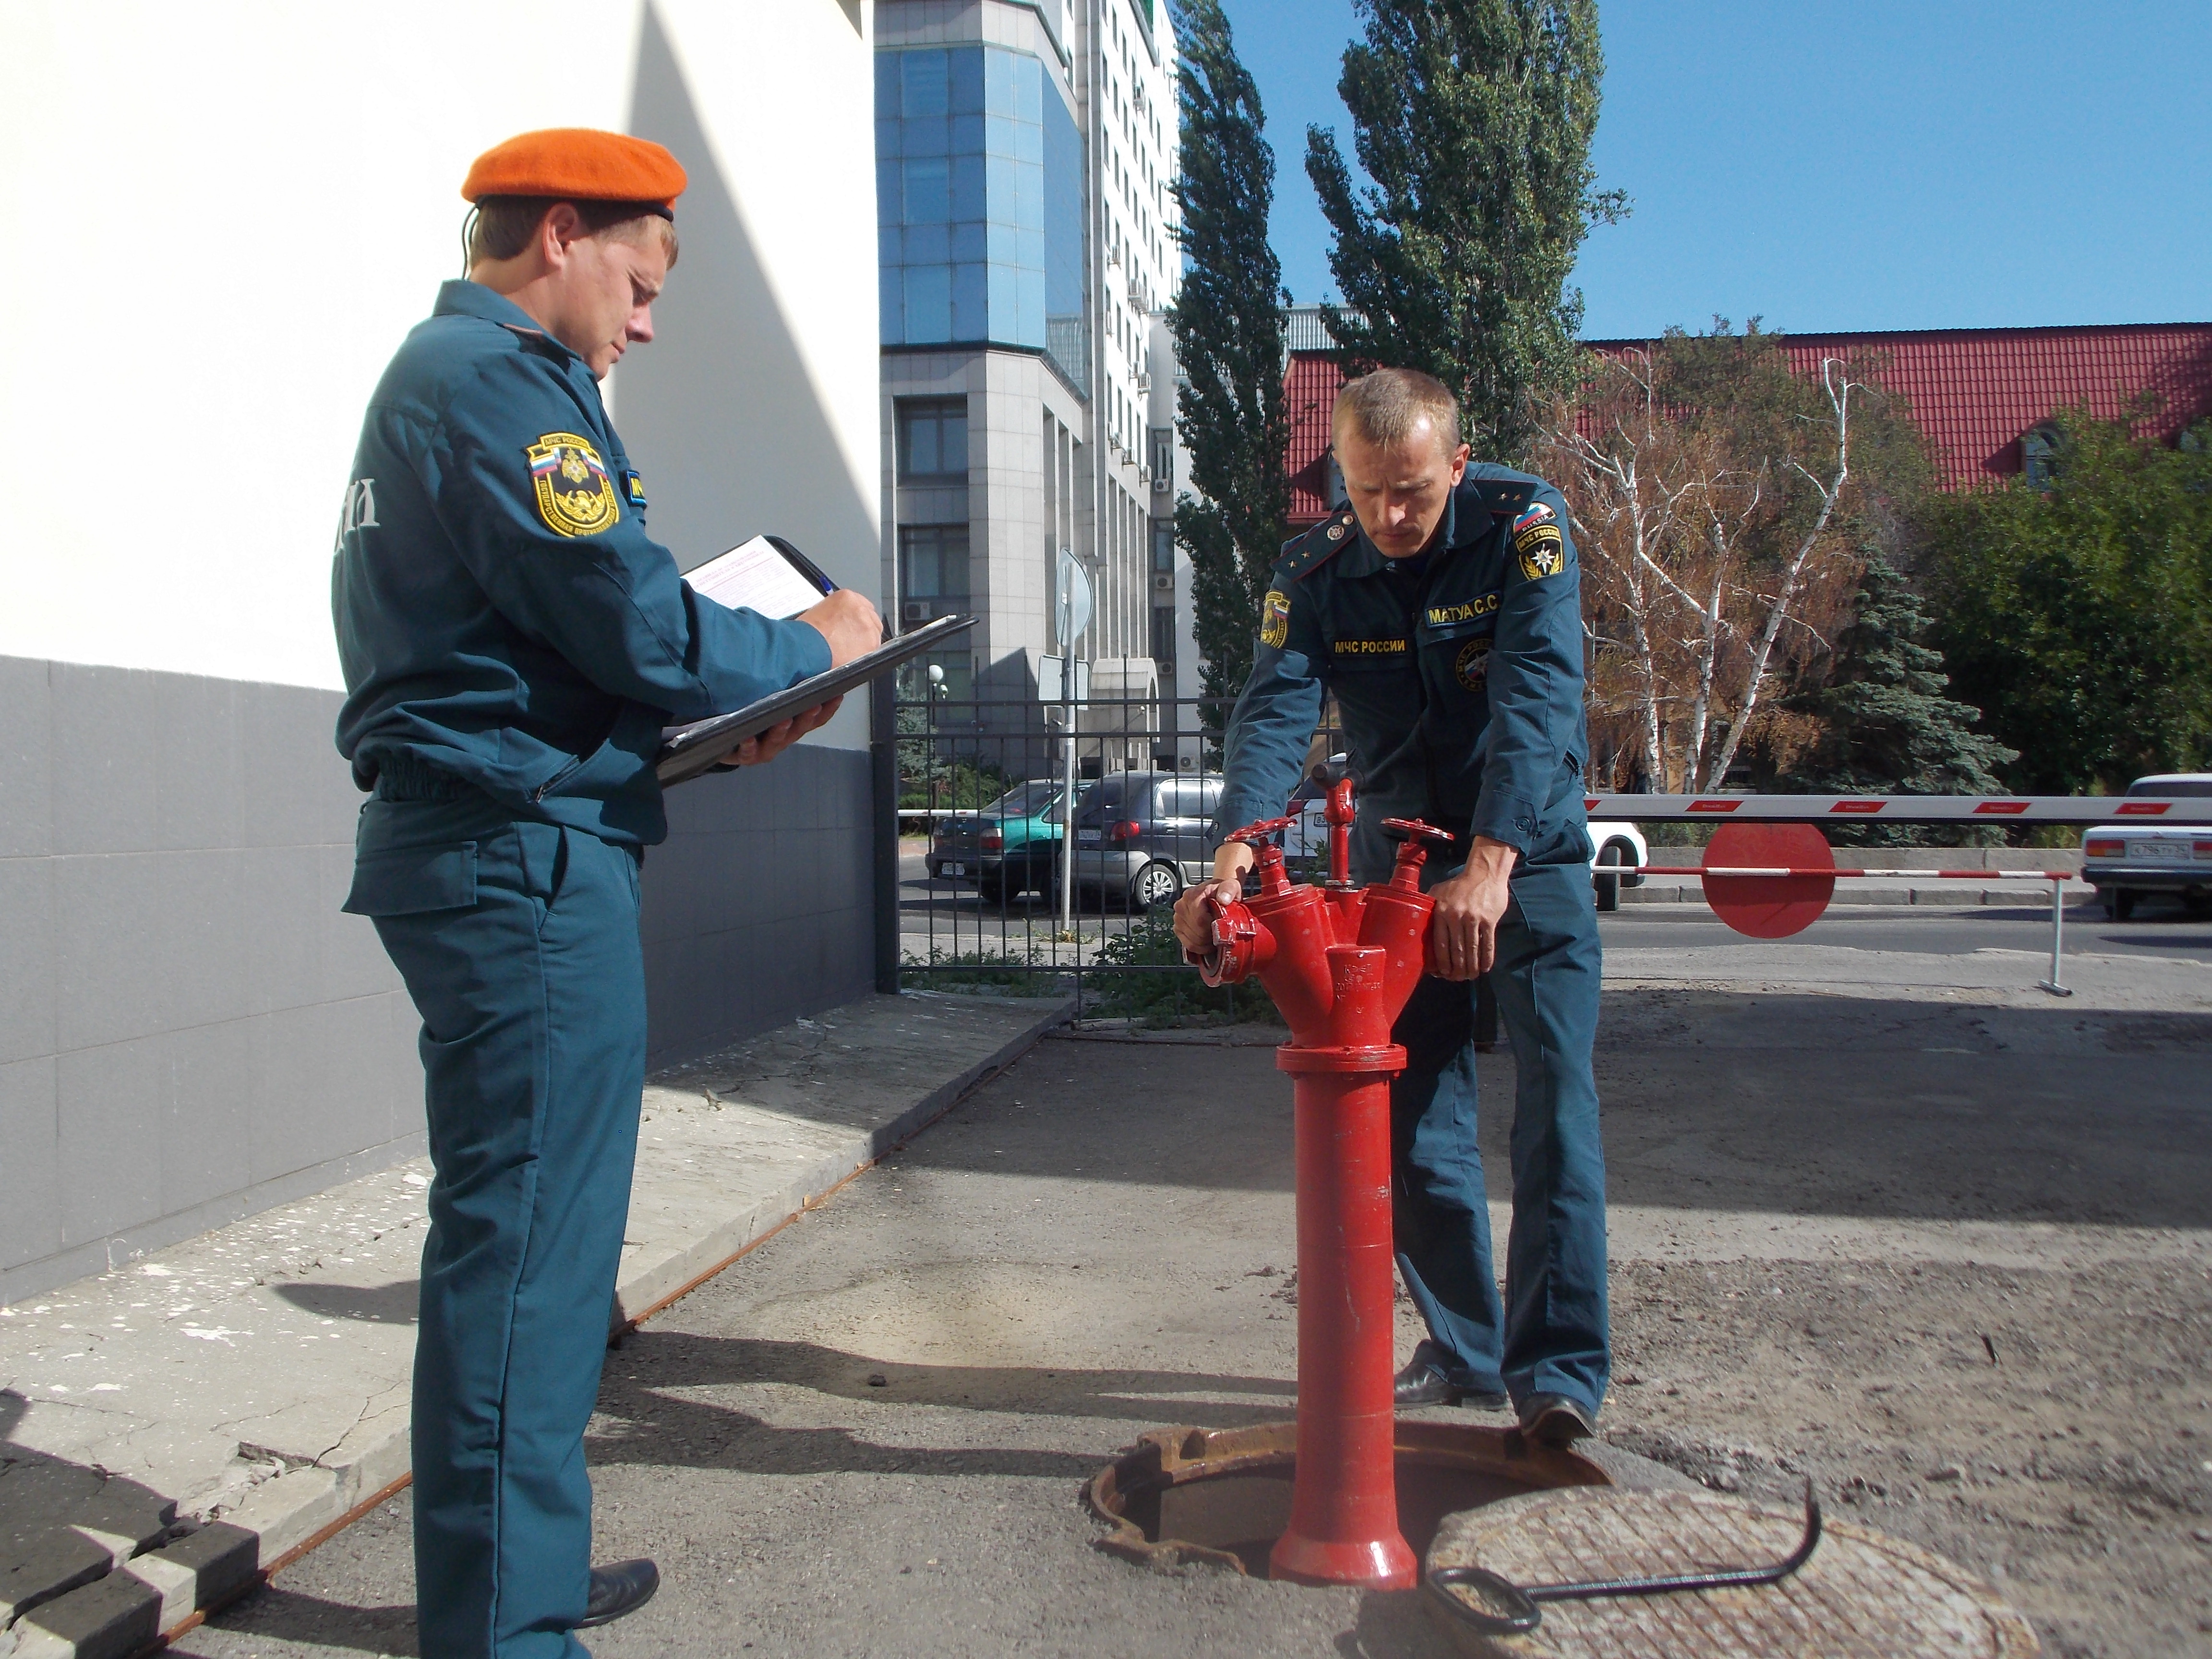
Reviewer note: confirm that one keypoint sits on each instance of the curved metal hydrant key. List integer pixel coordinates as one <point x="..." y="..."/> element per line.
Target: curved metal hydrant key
<point x="1520" y="1612"/>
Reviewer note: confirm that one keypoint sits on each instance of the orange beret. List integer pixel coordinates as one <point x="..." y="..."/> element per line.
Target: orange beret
<point x="577" y="164"/>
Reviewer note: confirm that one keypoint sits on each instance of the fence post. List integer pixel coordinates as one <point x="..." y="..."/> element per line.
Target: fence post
<point x="882" y="756"/>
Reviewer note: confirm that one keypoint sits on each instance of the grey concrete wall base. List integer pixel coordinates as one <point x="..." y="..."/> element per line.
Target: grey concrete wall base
<point x="293" y="1330"/>
<point x="190" y="1029"/>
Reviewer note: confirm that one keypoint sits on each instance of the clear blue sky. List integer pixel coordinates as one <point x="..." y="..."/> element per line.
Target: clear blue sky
<point x="1871" y="164"/>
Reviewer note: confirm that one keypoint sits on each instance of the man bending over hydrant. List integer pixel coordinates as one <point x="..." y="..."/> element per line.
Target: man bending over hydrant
<point x="1442" y="607"/>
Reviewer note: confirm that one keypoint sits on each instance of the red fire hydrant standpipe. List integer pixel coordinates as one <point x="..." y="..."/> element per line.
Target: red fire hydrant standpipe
<point x="1340" y="963"/>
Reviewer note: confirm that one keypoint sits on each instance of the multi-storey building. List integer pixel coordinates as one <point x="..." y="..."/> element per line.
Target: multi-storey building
<point x="1024" y="152"/>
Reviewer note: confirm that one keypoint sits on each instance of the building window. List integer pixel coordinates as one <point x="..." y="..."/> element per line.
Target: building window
<point x="1162" y="459"/>
<point x="978" y="187"/>
<point x="2039" y="455"/>
<point x="1163" y="637"/>
<point x="1163" y="547"/>
<point x="933" y="440"/>
<point x="933" y="572"/>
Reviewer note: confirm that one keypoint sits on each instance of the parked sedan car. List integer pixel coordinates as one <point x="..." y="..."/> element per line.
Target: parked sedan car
<point x="2124" y="861"/>
<point x="1140" y="837"/>
<point x="1007" y="848"/>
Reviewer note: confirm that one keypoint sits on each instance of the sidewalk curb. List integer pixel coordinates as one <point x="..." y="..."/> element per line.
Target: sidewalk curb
<point x="147" y="1601"/>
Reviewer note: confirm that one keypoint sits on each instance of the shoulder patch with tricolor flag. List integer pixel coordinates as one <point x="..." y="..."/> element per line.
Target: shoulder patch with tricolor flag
<point x="575" y="496"/>
<point x="1536" y="538"/>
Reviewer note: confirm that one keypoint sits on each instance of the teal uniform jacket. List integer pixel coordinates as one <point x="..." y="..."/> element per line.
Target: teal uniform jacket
<point x="1458" y="676"/>
<point x="513" y="642"/>
<point x="503" y="616"/>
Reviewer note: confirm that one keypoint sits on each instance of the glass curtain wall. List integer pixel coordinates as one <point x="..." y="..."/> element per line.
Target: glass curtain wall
<point x="979" y="192"/>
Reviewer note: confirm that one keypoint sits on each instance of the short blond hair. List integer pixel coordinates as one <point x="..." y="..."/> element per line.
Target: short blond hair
<point x="1388" y="406"/>
<point x="500" y="227"/>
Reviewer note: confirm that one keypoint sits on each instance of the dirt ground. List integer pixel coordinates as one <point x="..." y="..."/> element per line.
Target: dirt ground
<point x="2050" y="1429"/>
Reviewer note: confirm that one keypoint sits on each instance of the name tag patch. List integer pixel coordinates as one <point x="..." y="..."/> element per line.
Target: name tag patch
<point x="1370" y="648"/>
<point x="1443" y="616"/>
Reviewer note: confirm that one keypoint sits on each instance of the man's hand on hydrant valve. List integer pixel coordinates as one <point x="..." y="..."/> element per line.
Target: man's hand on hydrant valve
<point x="1463" y="932"/>
<point x="1193" y="927"/>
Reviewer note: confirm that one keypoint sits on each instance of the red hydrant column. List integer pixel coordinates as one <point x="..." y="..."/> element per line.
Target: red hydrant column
<point x="1343" y="1506"/>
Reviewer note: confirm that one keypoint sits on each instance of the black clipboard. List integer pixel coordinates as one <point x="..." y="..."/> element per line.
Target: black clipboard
<point x="688" y="751"/>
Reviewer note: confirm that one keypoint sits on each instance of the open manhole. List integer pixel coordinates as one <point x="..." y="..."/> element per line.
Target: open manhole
<point x="1223" y="1495"/>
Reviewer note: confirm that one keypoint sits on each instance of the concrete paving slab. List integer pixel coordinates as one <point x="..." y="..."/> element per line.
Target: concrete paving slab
<point x="259" y="1375"/>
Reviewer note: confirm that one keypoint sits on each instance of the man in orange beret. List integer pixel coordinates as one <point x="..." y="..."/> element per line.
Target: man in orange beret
<point x="513" y="642"/>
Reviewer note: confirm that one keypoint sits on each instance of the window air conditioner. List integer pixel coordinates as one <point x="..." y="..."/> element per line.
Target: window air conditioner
<point x="1163" y="583"/>
<point x="914" y="610"/>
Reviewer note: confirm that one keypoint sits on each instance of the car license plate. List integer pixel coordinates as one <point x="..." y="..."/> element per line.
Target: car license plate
<point x="954" y="869"/>
<point x="1087" y="837"/>
<point x="2158" y="851"/>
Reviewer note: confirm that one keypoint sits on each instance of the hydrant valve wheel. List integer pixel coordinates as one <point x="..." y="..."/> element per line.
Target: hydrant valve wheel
<point x="1261" y="833"/>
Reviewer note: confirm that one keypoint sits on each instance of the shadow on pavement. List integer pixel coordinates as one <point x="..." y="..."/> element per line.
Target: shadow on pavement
<point x="1799" y="1102"/>
<point x="274" y="1613"/>
<point x="376" y="1305"/>
<point x="656" y="1426"/>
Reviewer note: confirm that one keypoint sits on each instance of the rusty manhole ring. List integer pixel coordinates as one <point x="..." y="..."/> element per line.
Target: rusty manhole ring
<point x="1861" y="1596"/>
<point x="1222" y="1497"/>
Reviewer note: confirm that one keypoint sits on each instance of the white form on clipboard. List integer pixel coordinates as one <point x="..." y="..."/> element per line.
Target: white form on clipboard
<point x="767" y="574"/>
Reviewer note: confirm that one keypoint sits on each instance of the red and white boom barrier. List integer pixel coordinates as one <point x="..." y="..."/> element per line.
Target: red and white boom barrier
<point x="1900" y="809"/>
<point x="1768" y="871"/>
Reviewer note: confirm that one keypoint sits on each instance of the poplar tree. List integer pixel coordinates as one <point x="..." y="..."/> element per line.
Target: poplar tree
<point x="1474" y="119"/>
<point x="1228" y="327"/>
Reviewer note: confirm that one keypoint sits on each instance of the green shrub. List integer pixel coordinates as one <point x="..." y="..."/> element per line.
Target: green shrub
<point x="1152" y="998"/>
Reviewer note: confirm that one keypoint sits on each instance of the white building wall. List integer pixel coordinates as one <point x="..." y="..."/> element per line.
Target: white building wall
<point x="243" y="208"/>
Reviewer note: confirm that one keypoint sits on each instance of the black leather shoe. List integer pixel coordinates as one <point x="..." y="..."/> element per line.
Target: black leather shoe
<point x="1421" y="1384"/>
<point x="1555" y="1421"/>
<point x="1425" y="1381"/>
<point x="622" y="1588"/>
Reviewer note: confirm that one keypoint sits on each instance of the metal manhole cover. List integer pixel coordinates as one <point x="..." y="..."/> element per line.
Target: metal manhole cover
<point x="1861" y="1596"/>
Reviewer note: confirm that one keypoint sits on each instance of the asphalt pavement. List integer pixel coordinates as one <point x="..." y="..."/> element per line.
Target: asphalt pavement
<point x="2154" y="933"/>
<point x="866" y="1435"/>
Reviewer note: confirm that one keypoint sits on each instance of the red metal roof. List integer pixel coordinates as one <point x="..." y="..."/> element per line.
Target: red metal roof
<point x="1972" y="391"/>
<point x="1309" y="387"/>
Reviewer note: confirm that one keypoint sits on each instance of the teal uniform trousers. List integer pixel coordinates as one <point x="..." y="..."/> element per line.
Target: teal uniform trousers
<point x="518" y="944"/>
<point x="513" y="643"/>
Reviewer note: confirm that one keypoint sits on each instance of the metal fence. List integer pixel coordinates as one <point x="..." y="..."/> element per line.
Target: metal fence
<point x="975" y="858"/>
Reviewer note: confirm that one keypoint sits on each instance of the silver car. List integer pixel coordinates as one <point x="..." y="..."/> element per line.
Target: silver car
<point x="1141" y="837"/>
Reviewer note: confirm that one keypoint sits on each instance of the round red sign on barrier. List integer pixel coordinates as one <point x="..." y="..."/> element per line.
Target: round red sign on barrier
<point x="1769" y="906"/>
